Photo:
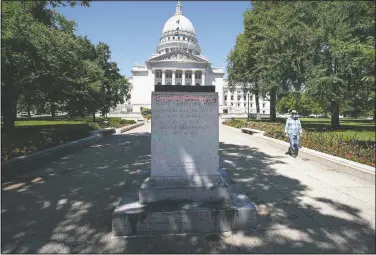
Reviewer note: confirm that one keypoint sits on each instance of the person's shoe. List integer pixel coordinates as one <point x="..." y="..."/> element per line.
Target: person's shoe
<point x="293" y="155"/>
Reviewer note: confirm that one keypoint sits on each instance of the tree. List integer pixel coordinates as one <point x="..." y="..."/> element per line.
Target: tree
<point x="36" y="55"/>
<point x="344" y="67"/>
<point x="114" y="87"/>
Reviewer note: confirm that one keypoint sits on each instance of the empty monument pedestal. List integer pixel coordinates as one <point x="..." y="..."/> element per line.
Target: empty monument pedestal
<point x="131" y="218"/>
<point x="198" y="189"/>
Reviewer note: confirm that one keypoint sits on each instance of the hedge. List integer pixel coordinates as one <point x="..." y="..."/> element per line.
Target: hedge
<point x="326" y="142"/>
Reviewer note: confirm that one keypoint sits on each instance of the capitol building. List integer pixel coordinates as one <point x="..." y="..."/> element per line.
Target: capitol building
<point x="178" y="61"/>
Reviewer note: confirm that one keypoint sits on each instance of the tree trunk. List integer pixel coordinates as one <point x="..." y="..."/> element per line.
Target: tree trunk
<point x="9" y="115"/>
<point x="94" y="116"/>
<point x="28" y="111"/>
<point x="273" y="95"/>
<point x="53" y="110"/>
<point x="335" y="114"/>
<point x="257" y="106"/>
<point x="374" y="115"/>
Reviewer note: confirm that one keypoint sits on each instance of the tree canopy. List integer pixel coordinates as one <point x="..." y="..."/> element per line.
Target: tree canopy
<point x="321" y="51"/>
<point x="47" y="67"/>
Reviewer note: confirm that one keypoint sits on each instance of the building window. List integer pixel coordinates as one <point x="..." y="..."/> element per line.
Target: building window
<point x="263" y="105"/>
<point x="178" y="74"/>
<point x="251" y="105"/>
<point x="232" y="97"/>
<point x="188" y="75"/>
<point x="225" y="97"/>
<point x="245" y="105"/>
<point x="159" y="83"/>
<point x="129" y="110"/>
<point x="168" y="74"/>
<point x="168" y="38"/>
<point x="225" y="110"/>
<point x="184" y="38"/>
<point x="263" y="112"/>
<point x="238" y="98"/>
<point x="198" y="75"/>
<point x="245" y="97"/>
<point x="238" y="105"/>
<point x="173" y="38"/>
<point x="197" y="84"/>
<point x="232" y="104"/>
<point x="158" y="74"/>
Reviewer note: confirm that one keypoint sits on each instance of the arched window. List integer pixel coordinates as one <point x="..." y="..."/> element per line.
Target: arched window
<point x="159" y="83"/>
<point x="178" y="83"/>
<point x="197" y="84"/>
<point x="168" y="83"/>
<point x="188" y="84"/>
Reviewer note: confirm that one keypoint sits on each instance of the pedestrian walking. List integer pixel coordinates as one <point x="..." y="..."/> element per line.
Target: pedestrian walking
<point x="293" y="130"/>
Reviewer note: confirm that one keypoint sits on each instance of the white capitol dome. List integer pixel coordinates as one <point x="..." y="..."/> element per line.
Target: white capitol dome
<point x="178" y="33"/>
<point x="184" y="24"/>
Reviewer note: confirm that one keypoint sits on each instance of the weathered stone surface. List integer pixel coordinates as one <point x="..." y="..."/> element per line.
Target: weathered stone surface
<point x="185" y="134"/>
<point x="197" y="188"/>
<point x="133" y="218"/>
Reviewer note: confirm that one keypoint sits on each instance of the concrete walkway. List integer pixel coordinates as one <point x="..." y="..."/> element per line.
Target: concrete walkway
<point x="65" y="206"/>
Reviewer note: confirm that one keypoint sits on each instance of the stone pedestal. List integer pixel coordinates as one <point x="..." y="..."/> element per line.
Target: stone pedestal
<point x="134" y="218"/>
<point x="185" y="192"/>
<point x="208" y="189"/>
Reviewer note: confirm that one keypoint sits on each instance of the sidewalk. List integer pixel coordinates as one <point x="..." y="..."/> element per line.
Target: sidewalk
<point x="66" y="206"/>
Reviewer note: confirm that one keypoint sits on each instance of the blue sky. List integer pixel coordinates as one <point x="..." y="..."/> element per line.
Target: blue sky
<point x="132" y="29"/>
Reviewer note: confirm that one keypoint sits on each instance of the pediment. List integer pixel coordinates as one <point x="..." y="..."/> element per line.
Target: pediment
<point x="178" y="56"/>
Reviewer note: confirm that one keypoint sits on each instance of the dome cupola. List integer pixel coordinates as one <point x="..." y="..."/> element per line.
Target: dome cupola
<point x="178" y="33"/>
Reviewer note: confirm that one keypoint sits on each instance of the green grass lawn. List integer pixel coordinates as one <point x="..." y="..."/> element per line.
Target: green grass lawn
<point x="360" y="128"/>
<point x="19" y="123"/>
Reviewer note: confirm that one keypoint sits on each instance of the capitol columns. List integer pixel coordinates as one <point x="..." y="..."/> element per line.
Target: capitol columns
<point x="173" y="77"/>
<point x="183" y="77"/>
<point x="163" y="77"/>
<point x="203" y="77"/>
<point x="193" y="77"/>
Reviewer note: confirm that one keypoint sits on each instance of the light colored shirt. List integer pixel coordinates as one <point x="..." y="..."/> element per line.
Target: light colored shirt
<point x="293" y="127"/>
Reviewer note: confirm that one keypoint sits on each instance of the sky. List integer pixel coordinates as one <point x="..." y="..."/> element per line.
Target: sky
<point x="132" y="29"/>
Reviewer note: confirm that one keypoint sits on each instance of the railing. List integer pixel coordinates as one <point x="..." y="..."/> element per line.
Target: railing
<point x="188" y="80"/>
<point x="178" y="80"/>
<point x="168" y="80"/>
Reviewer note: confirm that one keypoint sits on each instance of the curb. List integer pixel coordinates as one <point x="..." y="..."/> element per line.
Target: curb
<point x="19" y="161"/>
<point x="335" y="163"/>
<point x="127" y="128"/>
<point x="104" y="131"/>
<point x="94" y="137"/>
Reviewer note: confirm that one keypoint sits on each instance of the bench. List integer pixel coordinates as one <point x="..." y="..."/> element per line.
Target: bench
<point x="252" y="131"/>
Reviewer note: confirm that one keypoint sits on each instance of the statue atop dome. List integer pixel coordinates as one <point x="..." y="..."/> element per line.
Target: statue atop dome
<point x="179" y="9"/>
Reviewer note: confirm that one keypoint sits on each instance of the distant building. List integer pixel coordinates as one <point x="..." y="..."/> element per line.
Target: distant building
<point x="178" y="61"/>
<point x="236" y="102"/>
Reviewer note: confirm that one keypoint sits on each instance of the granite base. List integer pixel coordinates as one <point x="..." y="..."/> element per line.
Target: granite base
<point x="131" y="218"/>
<point x="199" y="189"/>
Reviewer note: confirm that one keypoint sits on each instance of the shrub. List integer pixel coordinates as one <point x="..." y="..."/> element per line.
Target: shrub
<point x="235" y="123"/>
<point x="145" y="111"/>
<point x="94" y="126"/>
<point x="119" y="122"/>
<point x="326" y="142"/>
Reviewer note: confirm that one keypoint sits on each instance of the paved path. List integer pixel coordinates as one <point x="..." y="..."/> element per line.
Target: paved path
<point x="65" y="206"/>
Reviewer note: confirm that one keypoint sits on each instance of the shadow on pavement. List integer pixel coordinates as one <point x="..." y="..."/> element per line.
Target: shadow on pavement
<point x="66" y="207"/>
